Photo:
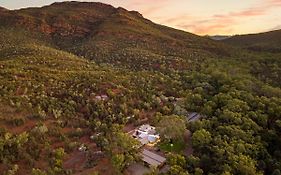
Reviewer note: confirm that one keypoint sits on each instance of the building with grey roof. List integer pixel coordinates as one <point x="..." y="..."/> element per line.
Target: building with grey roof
<point x="152" y="159"/>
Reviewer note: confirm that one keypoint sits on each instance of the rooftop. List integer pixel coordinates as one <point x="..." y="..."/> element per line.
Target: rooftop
<point x="146" y="134"/>
<point x="152" y="159"/>
<point x="194" y="116"/>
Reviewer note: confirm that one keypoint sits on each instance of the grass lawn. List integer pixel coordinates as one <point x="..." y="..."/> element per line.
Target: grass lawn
<point x="176" y="147"/>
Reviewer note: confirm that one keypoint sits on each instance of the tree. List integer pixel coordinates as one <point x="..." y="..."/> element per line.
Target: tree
<point x="171" y="127"/>
<point x="118" y="162"/>
<point x="198" y="171"/>
<point x="122" y="148"/>
<point x="176" y="159"/>
<point x="13" y="170"/>
<point x="36" y="171"/>
<point x="276" y="172"/>
<point x="177" y="170"/>
<point x="226" y="173"/>
<point x="56" y="162"/>
<point x="123" y="143"/>
<point x="11" y="146"/>
<point x="192" y="162"/>
<point x="178" y="110"/>
<point x="244" y="165"/>
<point x="201" y="138"/>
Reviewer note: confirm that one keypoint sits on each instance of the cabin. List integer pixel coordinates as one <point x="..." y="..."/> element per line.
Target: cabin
<point x="152" y="159"/>
<point x="146" y="135"/>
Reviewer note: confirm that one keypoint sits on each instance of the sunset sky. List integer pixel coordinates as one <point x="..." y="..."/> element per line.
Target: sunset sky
<point x="197" y="16"/>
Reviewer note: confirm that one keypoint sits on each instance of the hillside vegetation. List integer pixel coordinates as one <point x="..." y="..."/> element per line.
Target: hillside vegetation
<point x="267" y="47"/>
<point x="114" y="35"/>
<point x="261" y="42"/>
<point x="56" y="61"/>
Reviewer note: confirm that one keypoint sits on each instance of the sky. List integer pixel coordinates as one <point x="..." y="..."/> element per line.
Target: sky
<point x="202" y="17"/>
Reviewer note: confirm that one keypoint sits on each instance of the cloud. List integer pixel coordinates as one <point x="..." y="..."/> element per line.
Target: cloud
<point x="258" y="10"/>
<point x="211" y="26"/>
<point x="274" y="2"/>
<point x="173" y="13"/>
<point x="177" y="19"/>
<point x="222" y="23"/>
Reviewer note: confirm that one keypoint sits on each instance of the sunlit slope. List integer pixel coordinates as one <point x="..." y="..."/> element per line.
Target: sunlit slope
<point x="114" y="35"/>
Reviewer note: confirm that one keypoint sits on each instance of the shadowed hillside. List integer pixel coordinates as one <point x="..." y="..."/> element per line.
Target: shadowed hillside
<point x="267" y="42"/>
<point x="2" y="9"/>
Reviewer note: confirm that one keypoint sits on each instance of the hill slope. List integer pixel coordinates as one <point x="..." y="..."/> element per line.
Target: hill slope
<point x="3" y="9"/>
<point x="53" y="100"/>
<point x="114" y="35"/>
<point x="268" y="41"/>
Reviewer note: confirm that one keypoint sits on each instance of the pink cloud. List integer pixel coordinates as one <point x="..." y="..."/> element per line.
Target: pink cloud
<point x="177" y="19"/>
<point x="249" y="12"/>
<point x="209" y="26"/>
<point x="222" y="23"/>
<point x="260" y="9"/>
<point x="275" y="2"/>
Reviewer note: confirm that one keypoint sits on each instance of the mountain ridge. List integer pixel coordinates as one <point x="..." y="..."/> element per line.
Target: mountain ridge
<point x="3" y="9"/>
<point x="219" y="37"/>
<point x="110" y="35"/>
<point x="266" y="41"/>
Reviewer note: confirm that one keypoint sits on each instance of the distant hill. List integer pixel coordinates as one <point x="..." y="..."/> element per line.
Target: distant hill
<point x="2" y="9"/>
<point x="219" y="37"/>
<point x="114" y="35"/>
<point x="124" y="39"/>
<point x="268" y="41"/>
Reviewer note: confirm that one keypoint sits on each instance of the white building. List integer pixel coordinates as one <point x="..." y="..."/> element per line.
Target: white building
<point x="146" y="135"/>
